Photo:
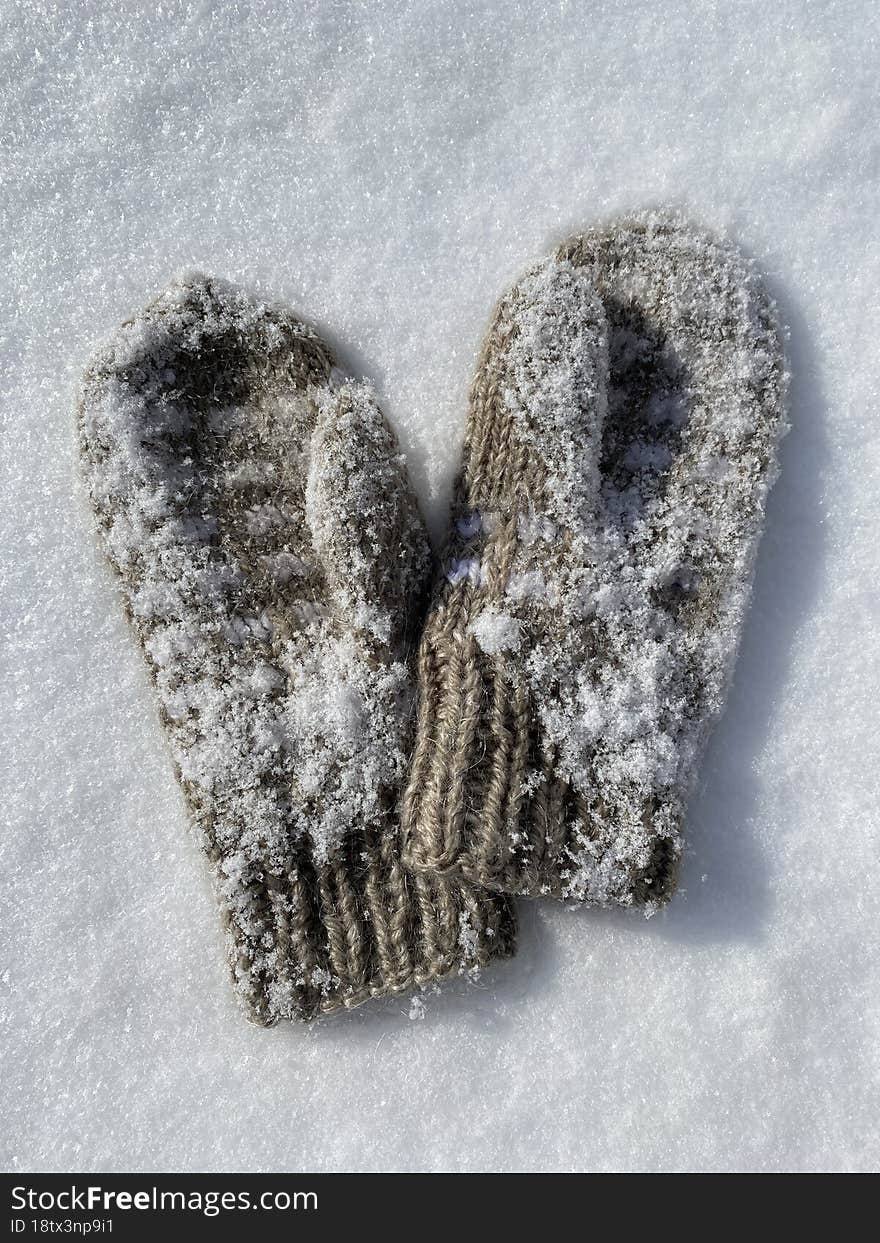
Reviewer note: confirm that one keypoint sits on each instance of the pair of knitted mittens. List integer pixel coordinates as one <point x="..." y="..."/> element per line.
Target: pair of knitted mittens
<point x="620" y="446"/>
<point x="275" y="569"/>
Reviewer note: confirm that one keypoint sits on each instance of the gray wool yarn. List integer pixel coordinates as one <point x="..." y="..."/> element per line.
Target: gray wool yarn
<point x="273" y="562"/>
<point x="620" y="446"/>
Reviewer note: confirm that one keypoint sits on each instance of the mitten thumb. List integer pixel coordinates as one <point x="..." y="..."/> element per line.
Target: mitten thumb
<point x="364" y="518"/>
<point x="539" y="397"/>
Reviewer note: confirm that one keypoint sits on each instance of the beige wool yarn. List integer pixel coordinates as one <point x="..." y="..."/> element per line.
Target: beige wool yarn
<point x="620" y="445"/>
<point x="273" y="564"/>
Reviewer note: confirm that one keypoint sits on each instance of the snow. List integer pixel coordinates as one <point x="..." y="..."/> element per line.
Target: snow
<point x="388" y="170"/>
<point x="496" y="631"/>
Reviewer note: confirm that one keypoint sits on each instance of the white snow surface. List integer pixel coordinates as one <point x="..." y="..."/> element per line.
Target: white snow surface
<point x="388" y="169"/>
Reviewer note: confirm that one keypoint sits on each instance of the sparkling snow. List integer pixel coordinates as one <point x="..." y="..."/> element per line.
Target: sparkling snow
<point x="388" y="169"/>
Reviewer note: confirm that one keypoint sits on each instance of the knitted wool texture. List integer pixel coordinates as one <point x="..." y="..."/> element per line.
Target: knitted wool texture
<point x="620" y="446"/>
<point x="273" y="563"/>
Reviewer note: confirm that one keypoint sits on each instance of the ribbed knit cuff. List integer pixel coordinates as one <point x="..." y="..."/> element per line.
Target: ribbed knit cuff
<point x="330" y="936"/>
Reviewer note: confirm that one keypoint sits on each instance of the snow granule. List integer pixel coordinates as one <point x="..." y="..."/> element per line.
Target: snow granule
<point x="496" y="632"/>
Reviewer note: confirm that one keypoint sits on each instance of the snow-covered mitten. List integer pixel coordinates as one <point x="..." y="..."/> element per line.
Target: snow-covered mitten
<point x="621" y="443"/>
<point x="272" y="561"/>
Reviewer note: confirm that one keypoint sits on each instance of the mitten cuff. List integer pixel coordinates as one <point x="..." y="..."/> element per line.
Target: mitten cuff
<point x="329" y="936"/>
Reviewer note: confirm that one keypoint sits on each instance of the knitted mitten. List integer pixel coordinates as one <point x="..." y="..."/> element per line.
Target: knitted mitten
<point x="621" y="443"/>
<point x="272" y="561"/>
